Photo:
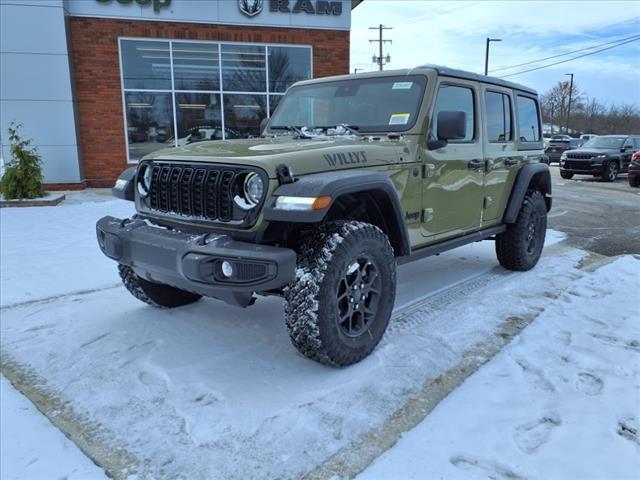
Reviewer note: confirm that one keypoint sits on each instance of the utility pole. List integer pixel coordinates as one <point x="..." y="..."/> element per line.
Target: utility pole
<point x="569" y="107"/>
<point x="486" y="54"/>
<point x="381" y="60"/>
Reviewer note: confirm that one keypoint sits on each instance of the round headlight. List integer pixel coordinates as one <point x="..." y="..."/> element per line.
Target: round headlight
<point x="144" y="180"/>
<point x="253" y="188"/>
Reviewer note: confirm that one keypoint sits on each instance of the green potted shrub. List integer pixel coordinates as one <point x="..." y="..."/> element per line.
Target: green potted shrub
<point x="22" y="178"/>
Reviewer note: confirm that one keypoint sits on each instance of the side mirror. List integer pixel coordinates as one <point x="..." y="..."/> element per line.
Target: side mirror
<point x="626" y="147"/>
<point x="263" y="125"/>
<point x="451" y="126"/>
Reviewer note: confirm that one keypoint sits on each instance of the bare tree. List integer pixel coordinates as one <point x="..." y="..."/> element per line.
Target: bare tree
<point x="588" y="115"/>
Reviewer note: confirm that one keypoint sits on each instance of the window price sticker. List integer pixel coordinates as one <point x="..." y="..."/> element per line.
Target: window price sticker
<point x="399" y="119"/>
<point x="402" y="86"/>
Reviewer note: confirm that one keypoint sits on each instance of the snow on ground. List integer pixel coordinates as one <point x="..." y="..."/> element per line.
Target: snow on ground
<point x="210" y="390"/>
<point x="49" y="251"/>
<point x="561" y="401"/>
<point x="31" y="448"/>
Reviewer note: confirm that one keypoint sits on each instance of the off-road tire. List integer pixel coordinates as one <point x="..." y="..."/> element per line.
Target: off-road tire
<point x="155" y="294"/>
<point x="312" y="305"/>
<point x="611" y="172"/>
<point x="513" y="247"/>
<point x="566" y="175"/>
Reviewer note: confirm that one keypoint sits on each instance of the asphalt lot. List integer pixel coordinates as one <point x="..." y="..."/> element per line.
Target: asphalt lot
<point x="597" y="216"/>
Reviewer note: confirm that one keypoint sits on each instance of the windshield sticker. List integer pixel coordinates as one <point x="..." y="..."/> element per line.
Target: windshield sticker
<point x="402" y="86"/>
<point x="399" y="119"/>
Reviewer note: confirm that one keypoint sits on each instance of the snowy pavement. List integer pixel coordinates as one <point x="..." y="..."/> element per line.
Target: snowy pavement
<point x="32" y="448"/>
<point x="213" y="391"/>
<point x="561" y="401"/>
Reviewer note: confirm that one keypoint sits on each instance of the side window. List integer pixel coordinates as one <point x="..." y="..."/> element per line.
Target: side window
<point x="628" y="143"/>
<point x="498" y="108"/>
<point x="452" y="98"/>
<point x="528" y="119"/>
<point x="636" y="144"/>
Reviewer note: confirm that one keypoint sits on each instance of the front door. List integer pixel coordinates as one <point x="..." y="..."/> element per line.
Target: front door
<point x="454" y="174"/>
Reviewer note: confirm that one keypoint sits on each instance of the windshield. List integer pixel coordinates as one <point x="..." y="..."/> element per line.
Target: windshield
<point x="367" y="104"/>
<point x="605" y="142"/>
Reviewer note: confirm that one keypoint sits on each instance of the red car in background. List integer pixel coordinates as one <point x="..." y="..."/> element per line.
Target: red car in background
<point x="634" y="170"/>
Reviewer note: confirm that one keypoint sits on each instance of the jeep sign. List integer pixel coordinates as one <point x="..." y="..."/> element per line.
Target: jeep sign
<point x="157" y="4"/>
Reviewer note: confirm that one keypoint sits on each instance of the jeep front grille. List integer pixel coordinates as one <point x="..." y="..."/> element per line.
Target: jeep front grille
<point x="580" y="156"/>
<point x="204" y="192"/>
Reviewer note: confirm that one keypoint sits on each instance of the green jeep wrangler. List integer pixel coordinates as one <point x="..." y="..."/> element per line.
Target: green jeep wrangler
<point x="352" y="176"/>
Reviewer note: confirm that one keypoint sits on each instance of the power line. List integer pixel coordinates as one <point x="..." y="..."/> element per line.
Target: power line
<point x="570" y="59"/>
<point x="564" y="54"/>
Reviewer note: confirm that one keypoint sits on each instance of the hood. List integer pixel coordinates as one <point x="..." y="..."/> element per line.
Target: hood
<point x="303" y="156"/>
<point x="591" y="151"/>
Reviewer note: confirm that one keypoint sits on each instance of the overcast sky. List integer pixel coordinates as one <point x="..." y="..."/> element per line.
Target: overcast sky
<point x="453" y="33"/>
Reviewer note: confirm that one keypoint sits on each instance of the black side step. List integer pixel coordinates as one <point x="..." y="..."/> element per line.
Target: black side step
<point x="451" y="244"/>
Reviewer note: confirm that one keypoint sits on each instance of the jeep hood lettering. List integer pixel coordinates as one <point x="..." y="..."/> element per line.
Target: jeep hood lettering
<point x="304" y="156"/>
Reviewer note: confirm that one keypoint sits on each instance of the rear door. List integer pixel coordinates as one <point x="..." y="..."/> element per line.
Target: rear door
<point x="454" y="174"/>
<point x="500" y="152"/>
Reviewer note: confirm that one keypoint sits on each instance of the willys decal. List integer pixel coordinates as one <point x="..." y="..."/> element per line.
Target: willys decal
<point x="348" y="158"/>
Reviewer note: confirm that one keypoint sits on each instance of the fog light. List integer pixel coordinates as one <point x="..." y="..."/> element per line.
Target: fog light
<point x="227" y="269"/>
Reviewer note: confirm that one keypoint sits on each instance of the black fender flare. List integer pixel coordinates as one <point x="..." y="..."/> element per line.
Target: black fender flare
<point x="536" y="173"/>
<point x="336" y="184"/>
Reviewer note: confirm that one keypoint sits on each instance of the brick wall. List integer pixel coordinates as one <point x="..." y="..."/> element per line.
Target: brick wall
<point x="94" y="52"/>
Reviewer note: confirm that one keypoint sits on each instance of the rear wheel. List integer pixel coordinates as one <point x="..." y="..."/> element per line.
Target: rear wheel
<point x="565" y="174"/>
<point x="519" y="248"/>
<point x="155" y="294"/>
<point x="611" y="172"/>
<point x="340" y="303"/>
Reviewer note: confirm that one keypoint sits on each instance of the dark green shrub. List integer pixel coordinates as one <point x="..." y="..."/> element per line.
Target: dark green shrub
<point x="23" y="173"/>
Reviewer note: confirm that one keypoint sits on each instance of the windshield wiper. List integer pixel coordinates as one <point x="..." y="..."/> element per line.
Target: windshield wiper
<point x="290" y="128"/>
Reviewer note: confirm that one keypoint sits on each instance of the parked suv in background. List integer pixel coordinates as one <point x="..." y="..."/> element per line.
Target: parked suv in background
<point x="605" y="156"/>
<point x="558" y="144"/>
<point x="353" y="175"/>
<point x="634" y="170"/>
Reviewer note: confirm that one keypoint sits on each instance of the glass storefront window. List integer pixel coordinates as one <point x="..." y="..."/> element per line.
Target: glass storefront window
<point x="199" y="117"/>
<point x="243" y="113"/>
<point x="174" y="91"/>
<point x="244" y="68"/>
<point x="196" y="66"/>
<point x="287" y="65"/>
<point x="149" y="122"/>
<point x="146" y="65"/>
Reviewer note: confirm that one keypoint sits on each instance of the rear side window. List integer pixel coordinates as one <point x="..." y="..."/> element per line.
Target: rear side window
<point x="498" y="108"/>
<point x="452" y="98"/>
<point x="528" y="119"/>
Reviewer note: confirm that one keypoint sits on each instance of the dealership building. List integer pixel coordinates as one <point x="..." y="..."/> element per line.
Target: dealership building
<point x="97" y="84"/>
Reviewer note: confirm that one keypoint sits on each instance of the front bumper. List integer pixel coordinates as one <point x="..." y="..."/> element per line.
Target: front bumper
<point x="194" y="262"/>
<point x="586" y="167"/>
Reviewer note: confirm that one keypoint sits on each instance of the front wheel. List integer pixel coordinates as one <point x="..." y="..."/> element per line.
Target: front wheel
<point x="611" y="172"/>
<point x="339" y="305"/>
<point x="520" y="247"/>
<point x="155" y="294"/>
<point x="566" y="175"/>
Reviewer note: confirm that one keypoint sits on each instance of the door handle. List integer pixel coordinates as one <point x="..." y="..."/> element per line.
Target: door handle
<point x="476" y="164"/>
<point x="509" y="162"/>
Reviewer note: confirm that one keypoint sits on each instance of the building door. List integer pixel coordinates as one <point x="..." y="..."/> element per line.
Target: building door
<point x="454" y="178"/>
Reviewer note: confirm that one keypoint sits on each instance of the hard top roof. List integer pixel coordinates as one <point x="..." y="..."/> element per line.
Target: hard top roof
<point x="444" y="71"/>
